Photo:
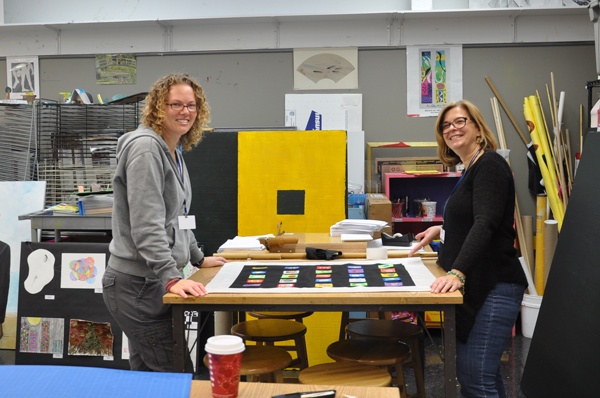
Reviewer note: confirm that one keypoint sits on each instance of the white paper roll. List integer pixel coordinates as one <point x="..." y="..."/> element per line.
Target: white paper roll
<point x="377" y="253"/>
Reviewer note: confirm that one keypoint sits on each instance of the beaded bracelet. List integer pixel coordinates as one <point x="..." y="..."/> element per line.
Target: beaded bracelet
<point x="456" y="274"/>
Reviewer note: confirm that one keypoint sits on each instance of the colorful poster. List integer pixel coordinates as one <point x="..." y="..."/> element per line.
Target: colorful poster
<point x="426" y="84"/>
<point x="90" y="338"/>
<point x="82" y="270"/>
<point x="434" y="78"/>
<point x="42" y="335"/>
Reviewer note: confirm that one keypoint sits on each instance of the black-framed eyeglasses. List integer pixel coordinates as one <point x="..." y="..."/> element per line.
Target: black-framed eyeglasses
<point x="179" y="107"/>
<point x="457" y="123"/>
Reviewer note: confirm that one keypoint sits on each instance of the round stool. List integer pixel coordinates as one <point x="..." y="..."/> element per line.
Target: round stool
<point x="264" y="363"/>
<point x="345" y="374"/>
<point x="399" y="331"/>
<point x="374" y="352"/>
<point x="297" y="316"/>
<point x="269" y="331"/>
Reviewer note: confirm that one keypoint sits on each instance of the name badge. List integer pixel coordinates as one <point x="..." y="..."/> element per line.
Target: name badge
<point x="187" y="222"/>
<point x="442" y="235"/>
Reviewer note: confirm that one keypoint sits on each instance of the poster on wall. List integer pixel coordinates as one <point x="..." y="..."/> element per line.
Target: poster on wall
<point x="22" y="77"/>
<point x="116" y="69"/>
<point x="325" y="68"/>
<point x="82" y="270"/>
<point x="17" y="198"/>
<point x="434" y="78"/>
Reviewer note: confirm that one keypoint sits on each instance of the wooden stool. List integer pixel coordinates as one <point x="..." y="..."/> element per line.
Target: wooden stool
<point x="269" y="331"/>
<point x="398" y="331"/>
<point x="297" y="316"/>
<point x="374" y="352"/>
<point x="346" y="320"/>
<point x="262" y="363"/>
<point x="345" y="374"/>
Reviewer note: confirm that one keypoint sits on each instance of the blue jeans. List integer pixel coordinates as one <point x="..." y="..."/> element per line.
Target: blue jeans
<point x="478" y="360"/>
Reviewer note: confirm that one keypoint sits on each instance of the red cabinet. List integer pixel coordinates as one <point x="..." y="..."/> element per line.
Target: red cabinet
<point x="406" y="191"/>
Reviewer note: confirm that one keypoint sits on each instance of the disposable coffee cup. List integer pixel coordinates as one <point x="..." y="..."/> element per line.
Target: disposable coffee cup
<point x="224" y="362"/>
<point x="428" y="209"/>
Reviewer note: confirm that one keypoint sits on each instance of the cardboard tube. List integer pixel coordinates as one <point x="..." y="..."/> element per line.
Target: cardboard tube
<point x="550" y="239"/>
<point x="223" y="322"/>
<point x="539" y="243"/>
<point x="527" y="222"/>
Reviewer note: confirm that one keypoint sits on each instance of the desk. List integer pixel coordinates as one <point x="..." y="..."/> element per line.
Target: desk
<point x="44" y="221"/>
<point x="201" y="389"/>
<point x="375" y="301"/>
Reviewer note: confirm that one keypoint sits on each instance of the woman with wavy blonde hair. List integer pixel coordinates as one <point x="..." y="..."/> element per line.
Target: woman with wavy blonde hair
<point x="152" y="230"/>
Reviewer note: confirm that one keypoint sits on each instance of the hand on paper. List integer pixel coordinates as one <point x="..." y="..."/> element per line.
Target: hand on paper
<point x="425" y="238"/>
<point x="188" y="286"/>
<point x="446" y="284"/>
<point x="213" y="261"/>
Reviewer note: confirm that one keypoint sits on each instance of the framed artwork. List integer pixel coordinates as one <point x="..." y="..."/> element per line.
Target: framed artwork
<point x="325" y="68"/>
<point x="22" y="76"/>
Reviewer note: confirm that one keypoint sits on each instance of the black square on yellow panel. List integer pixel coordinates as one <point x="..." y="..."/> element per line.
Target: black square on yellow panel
<point x="290" y="201"/>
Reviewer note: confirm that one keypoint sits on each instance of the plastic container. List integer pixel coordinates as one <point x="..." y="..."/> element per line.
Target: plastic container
<point x="530" y="308"/>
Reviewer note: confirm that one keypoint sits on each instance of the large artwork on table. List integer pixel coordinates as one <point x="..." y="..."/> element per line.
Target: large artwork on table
<point x="392" y="275"/>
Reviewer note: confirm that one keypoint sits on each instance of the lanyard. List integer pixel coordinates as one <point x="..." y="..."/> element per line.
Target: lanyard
<point x="180" y="168"/>
<point x="462" y="176"/>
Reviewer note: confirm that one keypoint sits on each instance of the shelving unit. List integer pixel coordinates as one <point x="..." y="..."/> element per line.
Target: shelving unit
<point x="435" y="187"/>
<point x="76" y="144"/>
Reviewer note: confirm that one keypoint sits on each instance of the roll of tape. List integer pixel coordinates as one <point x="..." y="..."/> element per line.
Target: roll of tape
<point x="377" y="253"/>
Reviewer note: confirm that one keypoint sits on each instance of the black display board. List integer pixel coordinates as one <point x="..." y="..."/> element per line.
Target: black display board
<point x="213" y="168"/>
<point x="54" y="302"/>
<point x="564" y="352"/>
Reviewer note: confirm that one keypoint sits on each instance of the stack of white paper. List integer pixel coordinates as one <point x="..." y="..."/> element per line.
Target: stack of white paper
<point x="357" y="226"/>
<point x="242" y="243"/>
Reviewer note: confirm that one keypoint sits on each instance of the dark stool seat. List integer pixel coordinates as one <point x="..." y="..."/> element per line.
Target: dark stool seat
<point x="345" y="374"/>
<point x="374" y="352"/>
<point x="398" y="331"/>
<point x="269" y="331"/>
<point x="263" y="363"/>
<point x="296" y="316"/>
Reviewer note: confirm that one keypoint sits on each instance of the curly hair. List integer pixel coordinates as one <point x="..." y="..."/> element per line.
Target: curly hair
<point x="155" y="108"/>
<point x="488" y="141"/>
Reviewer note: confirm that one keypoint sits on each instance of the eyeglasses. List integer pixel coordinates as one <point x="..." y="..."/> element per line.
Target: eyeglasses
<point x="179" y="107"/>
<point x="457" y="123"/>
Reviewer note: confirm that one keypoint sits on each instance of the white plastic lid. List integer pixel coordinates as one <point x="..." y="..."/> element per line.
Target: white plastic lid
<point x="224" y="345"/>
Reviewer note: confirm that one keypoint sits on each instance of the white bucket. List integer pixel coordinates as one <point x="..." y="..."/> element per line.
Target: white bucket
<point x="530" y="308"/>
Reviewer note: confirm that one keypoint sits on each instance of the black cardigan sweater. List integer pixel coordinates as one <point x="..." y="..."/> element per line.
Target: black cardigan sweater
<point x="479" y="235"/>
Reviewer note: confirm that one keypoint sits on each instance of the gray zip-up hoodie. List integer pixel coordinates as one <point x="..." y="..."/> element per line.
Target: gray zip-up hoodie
<point x="149" y="196"/>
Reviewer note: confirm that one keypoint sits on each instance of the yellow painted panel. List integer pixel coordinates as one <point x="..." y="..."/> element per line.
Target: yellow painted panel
<point x="312" y="161"/>
<point x="322" y="329"/>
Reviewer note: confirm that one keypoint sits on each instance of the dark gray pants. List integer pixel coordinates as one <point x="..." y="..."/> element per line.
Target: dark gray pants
<point x="136" y="304"/>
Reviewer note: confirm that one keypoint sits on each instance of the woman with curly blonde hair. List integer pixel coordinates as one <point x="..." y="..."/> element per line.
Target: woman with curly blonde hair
<point x="152" y="230"/>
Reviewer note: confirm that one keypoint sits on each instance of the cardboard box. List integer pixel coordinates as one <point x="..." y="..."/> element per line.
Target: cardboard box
<point x="404" y="164"/>
<point x="379" y="207"/>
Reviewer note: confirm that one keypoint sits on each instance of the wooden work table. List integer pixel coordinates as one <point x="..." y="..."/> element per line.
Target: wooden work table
<point x="328" y="301"/>
<point x="202" y="389"/>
